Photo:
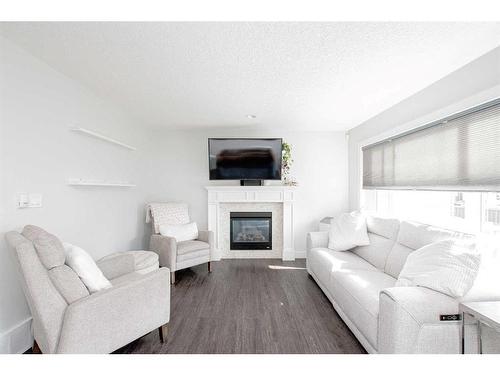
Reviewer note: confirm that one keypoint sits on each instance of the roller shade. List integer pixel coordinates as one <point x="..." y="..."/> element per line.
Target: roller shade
<point x="461" y="152"/>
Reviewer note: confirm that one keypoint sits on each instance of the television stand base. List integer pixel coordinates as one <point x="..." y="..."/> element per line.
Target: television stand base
<point x="251" y="182"/>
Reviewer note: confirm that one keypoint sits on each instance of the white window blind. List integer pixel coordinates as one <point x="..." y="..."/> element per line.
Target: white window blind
<point x="461" y="152"/>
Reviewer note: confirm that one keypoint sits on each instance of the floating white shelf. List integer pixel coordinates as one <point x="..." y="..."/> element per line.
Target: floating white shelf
<point x="81" y="182"/>
<point x="102" y="137"/>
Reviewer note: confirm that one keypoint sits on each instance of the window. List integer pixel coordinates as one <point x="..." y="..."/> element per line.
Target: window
<point x="470" y="212"/>
<point x="458" y="153"/>
<point x="446" y="173"/>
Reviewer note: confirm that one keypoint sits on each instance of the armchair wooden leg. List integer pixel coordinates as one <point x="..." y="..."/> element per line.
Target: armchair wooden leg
<point x="163" y="331"/>
<point x="172" y="277"/>
<point x="209" y="267"/>
<point x="36" y="348"/>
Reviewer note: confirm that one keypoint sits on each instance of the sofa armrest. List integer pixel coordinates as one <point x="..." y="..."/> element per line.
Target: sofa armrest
<point x="166" y="248"/>
<point x="111" y="318"/>
<point x="117" y="264"/>
<point x="409" y="321"/>
<point x="317" y="239"/>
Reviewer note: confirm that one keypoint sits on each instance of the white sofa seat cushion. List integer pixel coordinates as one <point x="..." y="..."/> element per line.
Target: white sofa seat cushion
<point x="322" y="262"/>
<point x="357" y="294"/>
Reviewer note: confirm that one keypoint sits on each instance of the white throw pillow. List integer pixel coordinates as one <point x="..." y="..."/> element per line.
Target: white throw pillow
<point x="348" y="231"/>
<point x="445" y="266"/>
<point x="181" y="232"/>
<point x="486" y="286"/>
<point x="86" y="268"/>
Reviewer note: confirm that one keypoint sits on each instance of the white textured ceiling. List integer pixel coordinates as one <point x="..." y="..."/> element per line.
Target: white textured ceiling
<point x="321" y="76"/>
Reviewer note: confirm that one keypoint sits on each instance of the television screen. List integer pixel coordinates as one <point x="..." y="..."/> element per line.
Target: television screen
<point x="244" y="158"/>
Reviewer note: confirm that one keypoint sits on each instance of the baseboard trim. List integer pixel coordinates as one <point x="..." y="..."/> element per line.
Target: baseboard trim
<point x="18" y="339"/>
<point x="300" y="254"/>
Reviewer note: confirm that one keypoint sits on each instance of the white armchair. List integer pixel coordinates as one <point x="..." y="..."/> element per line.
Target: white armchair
<point x="177" y="255"/>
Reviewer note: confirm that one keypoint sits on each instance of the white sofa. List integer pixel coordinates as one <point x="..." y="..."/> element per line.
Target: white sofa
<point x="360" y="285"/>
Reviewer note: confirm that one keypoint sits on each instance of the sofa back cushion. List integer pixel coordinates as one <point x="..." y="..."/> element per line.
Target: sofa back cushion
<point x="413" y="236"/>
<point x="382" y="233"/>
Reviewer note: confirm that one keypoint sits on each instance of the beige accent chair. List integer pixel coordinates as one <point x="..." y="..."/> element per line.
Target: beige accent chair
<point x="177" y="255"/>
<point x="67" y="318"/>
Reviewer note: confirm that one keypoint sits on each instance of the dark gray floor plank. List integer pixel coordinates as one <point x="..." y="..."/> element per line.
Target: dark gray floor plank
<point x="245" y="306"/>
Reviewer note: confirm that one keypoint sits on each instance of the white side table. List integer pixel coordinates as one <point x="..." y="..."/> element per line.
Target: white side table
<point x="487" y="313"/>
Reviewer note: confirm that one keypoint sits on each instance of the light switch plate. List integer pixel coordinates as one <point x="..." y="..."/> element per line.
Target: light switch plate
<point x="35" y="200"/>
<point x="29" y="200"/>
<point x="23" y="200"/>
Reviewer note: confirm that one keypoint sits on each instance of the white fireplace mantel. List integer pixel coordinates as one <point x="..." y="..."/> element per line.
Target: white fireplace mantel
<point x="218" y="195"/>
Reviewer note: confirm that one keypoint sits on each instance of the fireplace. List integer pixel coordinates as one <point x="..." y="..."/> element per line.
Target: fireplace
<point x="251" y="231"/>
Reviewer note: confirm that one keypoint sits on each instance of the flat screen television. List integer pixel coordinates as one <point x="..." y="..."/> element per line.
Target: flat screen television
<point x="244" y="158"/>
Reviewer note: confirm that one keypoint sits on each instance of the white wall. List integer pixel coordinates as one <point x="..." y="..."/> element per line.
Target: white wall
<point x="473" y="84"/>
<point x="320" y="168"/>
<point x="38" y="154"/>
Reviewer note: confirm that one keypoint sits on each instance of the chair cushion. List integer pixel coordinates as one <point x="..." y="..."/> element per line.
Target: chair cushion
<point x="185" y="247"/>
<point x="357" y="293"/>
<point x="181" y="232"/>
<point x="68" y="283"/>
<point x="193" y="255"/>
<point x="49" y="248"/>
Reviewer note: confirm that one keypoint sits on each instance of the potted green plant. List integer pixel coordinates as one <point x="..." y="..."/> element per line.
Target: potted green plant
<point x="286" y="164"/>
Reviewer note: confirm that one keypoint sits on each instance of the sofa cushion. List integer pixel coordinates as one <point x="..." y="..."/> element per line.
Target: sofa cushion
<point x="384" y="227"/>
<point x="185" y="247"/>
<point x="48" y="247"/>
<point x="413" y="236"/>
<point x="68" y="283"/>
<point x="382" y="233"/>
<point x="377" y="251"/>
<point x="322" y="262"/>
<point x="357" y="294"/>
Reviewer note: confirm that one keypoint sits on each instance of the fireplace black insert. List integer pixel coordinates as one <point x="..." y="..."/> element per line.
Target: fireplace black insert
<point x="251" y="231"/>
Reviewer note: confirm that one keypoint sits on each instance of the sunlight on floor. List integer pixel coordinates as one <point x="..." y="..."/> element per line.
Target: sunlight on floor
<point x="285" y="268"/>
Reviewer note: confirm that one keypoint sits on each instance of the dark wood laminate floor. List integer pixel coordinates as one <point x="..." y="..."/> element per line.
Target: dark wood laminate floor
<point x="249" y="306"/>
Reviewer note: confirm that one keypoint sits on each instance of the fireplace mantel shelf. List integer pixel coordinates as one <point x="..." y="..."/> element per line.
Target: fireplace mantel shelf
<point x="285" y="195"/>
